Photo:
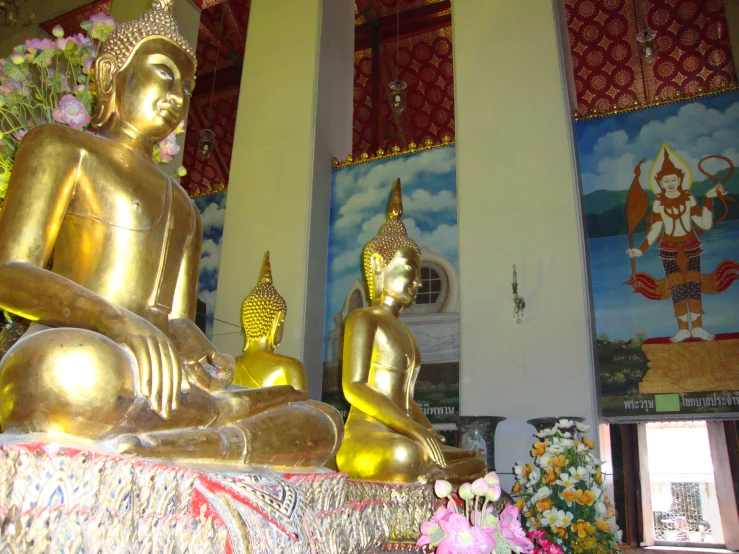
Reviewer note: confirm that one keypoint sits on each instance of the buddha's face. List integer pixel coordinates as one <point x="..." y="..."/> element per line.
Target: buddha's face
<point x="670" y="183"/>
<point x="401" y="278"/>
<point x="152" y="91"/>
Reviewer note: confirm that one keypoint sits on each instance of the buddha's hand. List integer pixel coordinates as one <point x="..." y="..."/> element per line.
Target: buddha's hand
<point x="213" y="372"/>
<point x="159" y="366"/>
<point x="429" y="441"/>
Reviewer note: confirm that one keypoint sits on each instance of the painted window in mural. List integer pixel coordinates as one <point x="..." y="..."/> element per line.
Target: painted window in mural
<point x="359" y="195"/>
<point x="662" y="221"/>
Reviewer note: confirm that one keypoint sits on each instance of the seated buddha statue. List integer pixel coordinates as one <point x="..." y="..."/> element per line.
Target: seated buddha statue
<point x="263" y="318"/>
<point x="386" y="435"/>
<point x="113" y="355"/>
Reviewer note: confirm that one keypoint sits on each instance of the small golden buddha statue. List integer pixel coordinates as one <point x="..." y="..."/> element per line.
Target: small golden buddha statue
<point x="386" y="436"/>
<point x="113" y="355"/>
<point x="263" y="318"/>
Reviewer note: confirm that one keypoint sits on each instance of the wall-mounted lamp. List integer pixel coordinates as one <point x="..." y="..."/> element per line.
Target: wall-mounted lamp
<point x="518" y="302"/>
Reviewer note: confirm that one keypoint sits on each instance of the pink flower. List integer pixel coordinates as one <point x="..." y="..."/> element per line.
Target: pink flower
<point x="463" y="538"/>
<point x="431" y="532"/>
<point x="79" y="39"/>
<point x="510" y="529"/>
<point x="101" y="18"/>
<point x="479" y="487"/>
<point x="34" y="44"/>
<point x="537" y="534"/>
<point x="101" y="26"/>
<point x="169" y="148"/>
<point x="18" y="135"/>
<point x="71" y="112"/>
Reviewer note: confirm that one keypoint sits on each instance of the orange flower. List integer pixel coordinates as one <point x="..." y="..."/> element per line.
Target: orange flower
<point x="582" y="528"/>
<point x="528" y="515"/>
<point x="598" y="475"/>
<point x="559" y="461"/>
<point x="561" y="531"/>
<point x="586" y="498"/>
<point x="543" y="505"/>
<point x="516" y="488"/>
<point x="568" y="495"/>
<point x="549" y="476"/>
<point x="539" y="449"/>
<point x="519" y="504"/>
<point x="587" y="442"/>
<point x="603" y="525"/>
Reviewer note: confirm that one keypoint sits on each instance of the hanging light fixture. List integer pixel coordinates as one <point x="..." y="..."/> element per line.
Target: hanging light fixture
<point x="207" y="136"/>
<point x="397" y="96"/>
<point x="646" y="39"/>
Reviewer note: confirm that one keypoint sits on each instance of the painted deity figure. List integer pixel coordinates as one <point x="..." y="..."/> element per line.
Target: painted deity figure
<point x="262" y="318"/>
<point x="113" y="355"/>
<point x="676" y="221"/>
<point x="387" y="436"/>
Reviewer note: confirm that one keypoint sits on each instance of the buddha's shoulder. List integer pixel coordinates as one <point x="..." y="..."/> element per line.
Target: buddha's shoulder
<point x="372" y="315"/>
<point x="55" y="134"/>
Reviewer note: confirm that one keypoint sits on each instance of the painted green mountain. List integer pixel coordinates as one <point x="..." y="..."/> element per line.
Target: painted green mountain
<point x="605" y="210"/>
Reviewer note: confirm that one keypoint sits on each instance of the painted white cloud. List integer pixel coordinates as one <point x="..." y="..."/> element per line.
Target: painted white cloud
<point x="210" y="256"/>
<point x="212" y="217"/>
<point x="209" y="297"/>
<point x="695" y="131"/>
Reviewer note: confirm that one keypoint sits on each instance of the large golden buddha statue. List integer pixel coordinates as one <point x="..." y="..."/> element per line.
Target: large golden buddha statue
<point x="113" y="354"/>
<point x="386" y="436"/>
<point x="263" y="318"/>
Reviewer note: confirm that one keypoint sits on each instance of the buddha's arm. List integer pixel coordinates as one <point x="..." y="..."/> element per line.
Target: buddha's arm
<point x="189" y="341"/>
<point x="44" y="177"/>
<point x="359" y="337"/>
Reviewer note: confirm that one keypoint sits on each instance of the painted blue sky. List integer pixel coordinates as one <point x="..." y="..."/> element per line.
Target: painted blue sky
<point x="212" y="213"/>
<point x="359" y="196"/>
<point x="609" y="148"/>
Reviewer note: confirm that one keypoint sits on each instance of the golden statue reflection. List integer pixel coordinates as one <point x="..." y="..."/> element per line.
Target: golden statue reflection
<point x="263" y="318"/>
<point x="387" y="436"/>
<point x="113" y="353"/>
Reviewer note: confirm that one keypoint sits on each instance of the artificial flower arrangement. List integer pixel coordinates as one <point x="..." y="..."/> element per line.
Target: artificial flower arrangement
<point x="561" y="497"/>
<point x="51" y="80"/>
<point x="471" y="524"/>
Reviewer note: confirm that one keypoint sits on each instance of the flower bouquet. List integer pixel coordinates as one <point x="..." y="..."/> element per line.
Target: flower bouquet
<point x="560" y="494"/>
<point x="470" y="523"/>
<point x="51" y="80"/>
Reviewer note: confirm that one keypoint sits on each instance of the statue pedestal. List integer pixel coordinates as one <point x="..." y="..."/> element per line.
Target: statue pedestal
<point x="60" y="499"/>
<point x="692" y="365"/>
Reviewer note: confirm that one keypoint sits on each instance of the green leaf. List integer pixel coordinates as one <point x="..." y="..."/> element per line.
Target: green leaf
<point x="43" y="56"/>
<point x="15" y="72"/>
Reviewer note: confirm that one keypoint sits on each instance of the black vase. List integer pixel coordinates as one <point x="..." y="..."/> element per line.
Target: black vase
<point x="541" y="423"/>
<point x="478" y="433"/>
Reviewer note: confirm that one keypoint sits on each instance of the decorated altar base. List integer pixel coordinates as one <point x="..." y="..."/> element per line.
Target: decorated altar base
<point x="55" y="499"/>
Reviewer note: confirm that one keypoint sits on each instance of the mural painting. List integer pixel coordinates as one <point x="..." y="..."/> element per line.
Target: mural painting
<point x="659" y="196"/>
<point x="359" y="195"/>
<point x="212" y="213"/>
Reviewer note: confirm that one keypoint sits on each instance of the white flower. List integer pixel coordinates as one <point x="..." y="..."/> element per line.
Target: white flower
<point x="565" y="423"/>
<point x="518" y="469"/>
<point x="545" y="433"/>
<point x="567" y="435"/>
<point x="564" y="519"/>
<point x="567" y="443"/>
<point x="535" y="475"/>
<point x="581" y="448"/>
<point x="555" y="450"/>
<point x="601" y="509"/>
<point x="566" y="481"/>
<point x="544" y="461"/>
<point x="582" y="427"/>
<point x="543" y="492"/>
<point x="578" y="473"/>
<point x="550" y="517"/>
<point x="597" y="491"/>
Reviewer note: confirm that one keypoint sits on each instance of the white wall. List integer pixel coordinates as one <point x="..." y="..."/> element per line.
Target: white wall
<point x="518" y="203"/>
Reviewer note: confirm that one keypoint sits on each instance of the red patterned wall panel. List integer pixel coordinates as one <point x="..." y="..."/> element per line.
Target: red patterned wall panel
<point x="211" y="176"/>
<point x="425" y="64"/>
<point x="694" y="51"/>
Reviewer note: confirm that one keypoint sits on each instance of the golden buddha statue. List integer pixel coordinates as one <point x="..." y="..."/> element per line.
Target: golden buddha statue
<point x="263" y="318"/>
<point x="113" y="355"/>
<point x="386" y="436"/>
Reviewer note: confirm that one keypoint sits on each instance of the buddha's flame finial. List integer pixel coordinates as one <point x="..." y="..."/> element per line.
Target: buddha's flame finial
<point x="395" y="206"/>
<point x="265" y="276"/>
<point x="166" y="5"/>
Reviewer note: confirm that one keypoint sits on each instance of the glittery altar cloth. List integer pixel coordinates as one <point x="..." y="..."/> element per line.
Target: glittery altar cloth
<point x="60" y="499"/>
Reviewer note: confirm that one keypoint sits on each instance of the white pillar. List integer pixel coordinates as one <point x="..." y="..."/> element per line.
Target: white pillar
<point x="294" y="116"/>
<point x="519" y="204"/>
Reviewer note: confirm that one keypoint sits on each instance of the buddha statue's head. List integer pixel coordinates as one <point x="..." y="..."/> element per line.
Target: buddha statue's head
<point x="263" y="311"/>
<point x="392" y="260"/>
<point x="145" y="74"/>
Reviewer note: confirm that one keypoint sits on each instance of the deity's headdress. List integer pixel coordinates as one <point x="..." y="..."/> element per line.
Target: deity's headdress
<point x="155" y="22"/>
<point x="392" y="237"/>
<point x="262" y="305"/>
<point x="668" y="168"/>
